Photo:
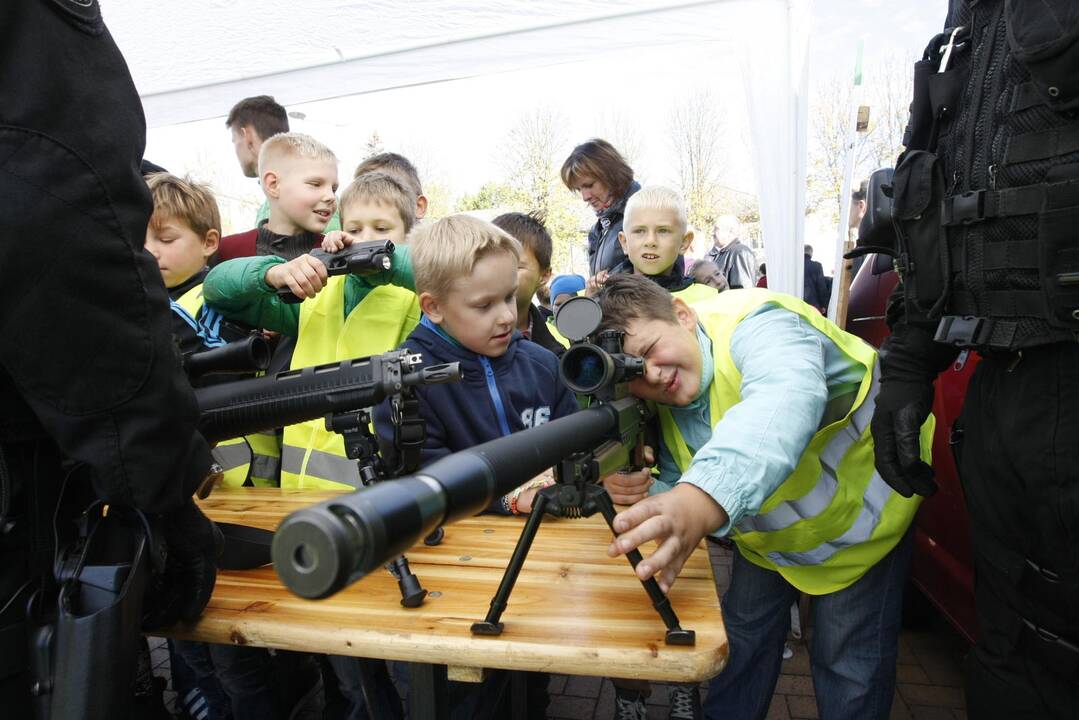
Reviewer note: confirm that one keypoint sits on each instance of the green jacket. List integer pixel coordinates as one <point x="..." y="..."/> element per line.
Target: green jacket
<point x="238" y="290"/>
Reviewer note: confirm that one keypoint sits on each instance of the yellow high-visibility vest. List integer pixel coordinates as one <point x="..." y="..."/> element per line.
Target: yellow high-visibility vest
<point x="311" y="455"/>
<point x="834" y="517"/>
<point x="696" y="293"/>
<point x="254" y="457"/>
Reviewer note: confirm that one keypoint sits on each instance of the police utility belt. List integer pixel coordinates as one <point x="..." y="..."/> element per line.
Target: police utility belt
<point x="961" y="260"/>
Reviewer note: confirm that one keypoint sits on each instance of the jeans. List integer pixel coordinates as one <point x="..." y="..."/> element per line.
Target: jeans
<point x="246" y="674"/>
<point x="852" y="652"/>
<point x="201" y="696"/>
<point x="352" y="673"/>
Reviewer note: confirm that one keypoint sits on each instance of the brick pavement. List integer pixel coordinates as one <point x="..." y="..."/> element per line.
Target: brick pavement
<point x="929" y="677"/>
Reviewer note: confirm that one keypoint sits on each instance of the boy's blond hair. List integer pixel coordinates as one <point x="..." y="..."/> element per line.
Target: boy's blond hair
<point x="396" y="166"/>
<point x="185" y="200"/>
<point x="657" y="197"/>
<point x="450" y="248"/>
<point x="292" y="144"/>
<point x="382" y="188"/>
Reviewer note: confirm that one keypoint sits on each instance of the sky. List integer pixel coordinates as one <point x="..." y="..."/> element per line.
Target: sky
<point x="456" y="131"/>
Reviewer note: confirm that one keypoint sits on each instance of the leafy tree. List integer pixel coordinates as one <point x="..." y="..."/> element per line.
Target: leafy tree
<point x="373" y="146"/>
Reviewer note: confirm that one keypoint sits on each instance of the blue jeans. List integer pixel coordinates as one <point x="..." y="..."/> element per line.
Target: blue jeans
<point x="201" y="697"/>
<point x="352" y="673"/>
<point x="852" y="652"/>
<point x="246" y="674"/>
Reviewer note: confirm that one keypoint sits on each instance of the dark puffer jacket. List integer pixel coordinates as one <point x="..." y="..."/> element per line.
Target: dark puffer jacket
<point x="604" y="252"/>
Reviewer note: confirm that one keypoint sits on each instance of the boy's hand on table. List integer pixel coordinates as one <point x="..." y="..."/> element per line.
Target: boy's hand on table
<point x="677" y="520"/>
<point x="628" y="487"/>
<point x="304" y="276"/>
<point x="337" y="240"/>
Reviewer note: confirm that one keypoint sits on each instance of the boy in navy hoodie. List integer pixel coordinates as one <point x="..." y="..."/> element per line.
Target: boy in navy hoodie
<point x="465" y="271"/>
<point x="466" y="279"/>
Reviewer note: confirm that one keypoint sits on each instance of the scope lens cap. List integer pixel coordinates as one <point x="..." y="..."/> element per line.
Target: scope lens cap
<point x="578" y="317"/>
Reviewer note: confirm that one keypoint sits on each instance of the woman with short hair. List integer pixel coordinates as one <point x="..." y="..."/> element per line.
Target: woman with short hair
<point x="605" y="181"/>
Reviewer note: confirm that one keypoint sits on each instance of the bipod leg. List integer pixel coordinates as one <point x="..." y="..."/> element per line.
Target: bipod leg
<point x="491" y="624"/>
<point x="412" y="593"/>
<point x="435" y="538"/>
<point x="675" y="634"/>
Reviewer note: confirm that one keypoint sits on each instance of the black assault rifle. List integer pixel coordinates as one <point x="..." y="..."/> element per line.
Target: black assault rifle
<point x="343" y="392"/>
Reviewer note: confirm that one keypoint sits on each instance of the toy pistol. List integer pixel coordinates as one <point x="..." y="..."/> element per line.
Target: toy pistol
<point x="362" y="258"/>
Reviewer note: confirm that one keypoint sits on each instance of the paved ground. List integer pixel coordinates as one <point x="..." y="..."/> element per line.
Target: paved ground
<point x="929" y="677"/>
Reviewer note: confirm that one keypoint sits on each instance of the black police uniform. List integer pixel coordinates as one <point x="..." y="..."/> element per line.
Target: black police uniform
<point x="986" y="216"/>
<point x="88" y="371"/>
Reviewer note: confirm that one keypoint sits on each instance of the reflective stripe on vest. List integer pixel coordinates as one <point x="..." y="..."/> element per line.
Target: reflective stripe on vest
<point x="312" y="456"/>
<point x="833" y="517"/>
<point x="265" y="458"/>
<point x="234" y="457"/>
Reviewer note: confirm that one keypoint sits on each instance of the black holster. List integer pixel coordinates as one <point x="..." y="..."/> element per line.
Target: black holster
<point x="91" y="652"/>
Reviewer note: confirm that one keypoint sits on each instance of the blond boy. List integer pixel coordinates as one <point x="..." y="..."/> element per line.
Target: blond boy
<point x="299" y="178"/>
<point x="655" y="233"/>
<point x="466" y="279"/>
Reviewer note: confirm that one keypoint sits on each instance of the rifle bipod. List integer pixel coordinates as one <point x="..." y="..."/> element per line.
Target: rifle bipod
<point x="577" y="499"/>
<point x="362" y="446"/>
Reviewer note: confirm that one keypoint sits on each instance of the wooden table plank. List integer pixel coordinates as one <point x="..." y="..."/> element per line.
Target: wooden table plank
<point x="574" y="610"/>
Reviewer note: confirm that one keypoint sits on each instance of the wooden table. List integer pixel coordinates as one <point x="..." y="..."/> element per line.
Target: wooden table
<point x="573" y="611"/>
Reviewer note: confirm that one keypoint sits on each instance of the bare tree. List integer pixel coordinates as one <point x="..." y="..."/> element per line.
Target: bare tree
<point x="696" y="140"/>
<point x="620" y="130"/>
<point x="531" y="155"/>
<point x="437" y="184"/>
<point x="888" y="96"/>
<point x="373" y="146"/>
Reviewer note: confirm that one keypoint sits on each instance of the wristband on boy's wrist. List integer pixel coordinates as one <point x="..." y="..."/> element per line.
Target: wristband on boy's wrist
<point x="514" y="497"/>
<point x="536" y="484"/>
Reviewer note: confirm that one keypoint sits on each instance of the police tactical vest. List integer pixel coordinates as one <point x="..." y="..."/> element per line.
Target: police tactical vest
<point x="987" y="192"/>
<point x="833" y="517"/>
<point x="311" y="455"/>
<point x="255" y="457"/>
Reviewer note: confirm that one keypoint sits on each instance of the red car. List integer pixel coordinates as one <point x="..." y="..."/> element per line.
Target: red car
<point x="941" y="568"/>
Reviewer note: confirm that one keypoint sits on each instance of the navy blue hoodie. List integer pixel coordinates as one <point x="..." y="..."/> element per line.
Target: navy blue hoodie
<point x="495" y="396"/>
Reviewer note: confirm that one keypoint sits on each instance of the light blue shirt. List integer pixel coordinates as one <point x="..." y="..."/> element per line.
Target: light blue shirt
<point x="791" y="373"/>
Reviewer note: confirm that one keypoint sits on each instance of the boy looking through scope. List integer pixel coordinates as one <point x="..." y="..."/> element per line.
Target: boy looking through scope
<point x="764" y="409"/>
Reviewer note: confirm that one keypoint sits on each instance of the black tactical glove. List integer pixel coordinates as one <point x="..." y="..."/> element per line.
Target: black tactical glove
<point x="902" y="408"/>
<point x="192" y="544"/>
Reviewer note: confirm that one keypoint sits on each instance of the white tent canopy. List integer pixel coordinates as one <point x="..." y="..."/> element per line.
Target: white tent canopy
<point x="217" y="52"/>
